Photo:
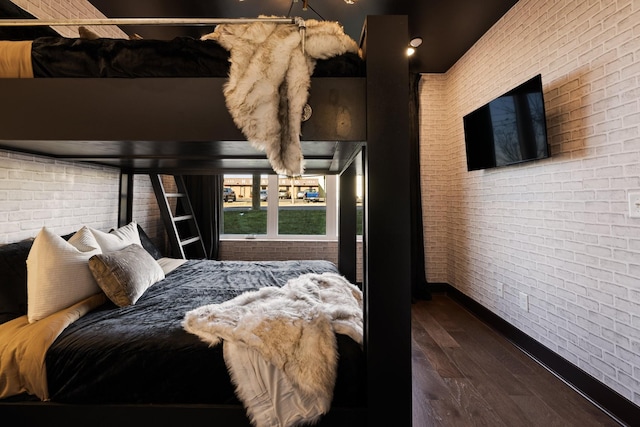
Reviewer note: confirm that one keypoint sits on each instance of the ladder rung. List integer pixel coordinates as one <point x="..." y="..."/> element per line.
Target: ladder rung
<point x="186" y="242"/>
<point x="171" y="222"/>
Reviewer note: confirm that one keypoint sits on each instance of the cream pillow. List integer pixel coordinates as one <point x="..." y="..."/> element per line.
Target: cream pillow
<point x="117" y="239"/>
<point x="58" y="273"/>
<point x="126" y="274"/>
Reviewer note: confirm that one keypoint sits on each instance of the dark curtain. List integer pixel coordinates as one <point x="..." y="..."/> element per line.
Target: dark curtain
<point x="205" y="194"/>
<point x="419" y="287"/>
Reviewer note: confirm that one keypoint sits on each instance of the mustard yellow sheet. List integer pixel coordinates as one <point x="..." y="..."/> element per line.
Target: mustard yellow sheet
<point x="23" y="347"/>
<point x="15" y="59"/>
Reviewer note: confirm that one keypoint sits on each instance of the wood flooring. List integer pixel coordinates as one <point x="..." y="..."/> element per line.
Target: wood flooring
<point x="466" y="374"/>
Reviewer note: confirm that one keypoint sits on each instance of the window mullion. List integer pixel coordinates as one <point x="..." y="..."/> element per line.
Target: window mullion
<point x="272" y="206"/>
<point x="331" y="190"/>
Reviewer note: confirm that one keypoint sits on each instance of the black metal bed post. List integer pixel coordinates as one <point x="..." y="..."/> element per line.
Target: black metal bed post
<point x="387" y="232"/>
<point x="347" y="226"/>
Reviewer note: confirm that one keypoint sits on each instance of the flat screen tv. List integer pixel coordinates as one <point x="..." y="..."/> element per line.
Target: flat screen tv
<point x="508" y="130"/>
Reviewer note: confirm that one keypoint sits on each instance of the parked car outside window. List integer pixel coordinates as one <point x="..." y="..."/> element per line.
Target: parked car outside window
<point x="311" y="196"/>
<point x="284" y="194"/>
<point x="228" y="195"/>
<point x="263" y="195"/>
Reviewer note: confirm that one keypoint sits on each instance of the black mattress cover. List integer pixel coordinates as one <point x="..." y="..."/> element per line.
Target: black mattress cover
<point x="179" y="57"/>
<point x="141" y="353"/>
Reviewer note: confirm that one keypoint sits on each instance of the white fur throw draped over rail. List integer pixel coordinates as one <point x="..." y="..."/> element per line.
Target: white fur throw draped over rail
<point x="280" y="345"/>
<point x="269" y="80"/>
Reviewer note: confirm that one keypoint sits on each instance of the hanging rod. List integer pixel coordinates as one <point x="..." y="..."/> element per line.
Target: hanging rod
<point x="143" y="21"/>
<point x="154" y="21"/>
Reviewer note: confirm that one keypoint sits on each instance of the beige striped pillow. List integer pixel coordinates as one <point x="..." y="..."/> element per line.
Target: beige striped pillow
<point x="58" y="272"/>
<point x="117" y="239"/>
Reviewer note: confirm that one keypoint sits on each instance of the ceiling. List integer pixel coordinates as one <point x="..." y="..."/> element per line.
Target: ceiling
<point x="448" y="27"/>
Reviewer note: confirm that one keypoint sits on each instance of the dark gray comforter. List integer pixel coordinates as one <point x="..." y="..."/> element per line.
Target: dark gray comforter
<point x="141" y="354"/>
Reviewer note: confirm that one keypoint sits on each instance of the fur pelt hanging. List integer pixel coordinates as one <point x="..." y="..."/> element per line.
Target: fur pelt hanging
<point x="292" y="329"/>
<point x="269" y="80"/>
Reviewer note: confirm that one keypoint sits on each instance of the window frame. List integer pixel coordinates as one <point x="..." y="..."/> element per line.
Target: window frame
<point x="331" y="224"/>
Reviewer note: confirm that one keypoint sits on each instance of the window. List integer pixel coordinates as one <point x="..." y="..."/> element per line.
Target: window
<point x="306" y="213"/>
<point x="246" y="212"/>
<point x="283" y="208"/>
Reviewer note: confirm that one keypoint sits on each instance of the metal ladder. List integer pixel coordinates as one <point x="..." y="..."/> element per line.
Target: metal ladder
<point x="179" y="221"/>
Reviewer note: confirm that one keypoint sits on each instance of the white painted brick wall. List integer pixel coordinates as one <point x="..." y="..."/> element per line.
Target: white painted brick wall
<point x="37" y="191"/>
<point x="556" y="229"/>
<point x="146" y="212"/>
<point x="435" y="191"/>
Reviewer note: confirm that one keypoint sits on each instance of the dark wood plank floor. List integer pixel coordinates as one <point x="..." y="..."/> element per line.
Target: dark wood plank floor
<point x="466" y="374"/>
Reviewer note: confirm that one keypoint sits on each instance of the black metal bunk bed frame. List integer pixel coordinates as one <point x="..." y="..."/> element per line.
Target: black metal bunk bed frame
<point x="165" y="126"/>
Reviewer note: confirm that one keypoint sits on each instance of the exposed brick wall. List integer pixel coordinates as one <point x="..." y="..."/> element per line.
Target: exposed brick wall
<point x="557" y="229"/>
<point x="37" y="191"/>
<point x="434" y="165"/>
<point x="261" y="250"/>
<point x="146" y="212"/>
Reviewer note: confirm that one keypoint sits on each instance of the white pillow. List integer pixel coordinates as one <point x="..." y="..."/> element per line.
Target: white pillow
<point x="117" y="239"/>
<point x="58" y="274"/>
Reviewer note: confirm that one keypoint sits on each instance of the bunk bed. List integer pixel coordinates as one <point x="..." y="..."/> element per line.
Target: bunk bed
<point x="180" y="125"/>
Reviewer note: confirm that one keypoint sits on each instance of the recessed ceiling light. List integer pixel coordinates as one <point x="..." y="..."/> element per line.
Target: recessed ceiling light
<point x="415" y="42"/>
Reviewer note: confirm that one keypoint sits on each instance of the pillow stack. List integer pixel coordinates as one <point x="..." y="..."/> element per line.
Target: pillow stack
<point x="61" y="273"/>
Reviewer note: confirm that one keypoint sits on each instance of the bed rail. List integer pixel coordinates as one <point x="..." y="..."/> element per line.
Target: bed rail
<point x="143" y="21"/>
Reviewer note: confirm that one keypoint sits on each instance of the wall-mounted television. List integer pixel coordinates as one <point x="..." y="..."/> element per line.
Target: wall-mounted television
<point x="508" y="130"/>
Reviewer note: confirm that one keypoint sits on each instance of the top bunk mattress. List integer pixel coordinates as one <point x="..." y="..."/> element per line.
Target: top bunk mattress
<point x="263" y="43"/>
<point x="121" y="58"/>
<point x="264" y="71"/>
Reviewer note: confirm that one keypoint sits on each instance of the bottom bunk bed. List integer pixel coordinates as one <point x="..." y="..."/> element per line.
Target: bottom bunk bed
<point x="156" y="345"/>
<point x="196" y="145"/>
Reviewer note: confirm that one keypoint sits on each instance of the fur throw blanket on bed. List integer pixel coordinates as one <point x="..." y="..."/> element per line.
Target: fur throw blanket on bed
<point x="269" y="80"/>
<point x="293" y="329"/>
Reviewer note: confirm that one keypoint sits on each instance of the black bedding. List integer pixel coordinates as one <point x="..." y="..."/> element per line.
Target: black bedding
<point x="141" y="354"/>
<point x="180" y="57"/>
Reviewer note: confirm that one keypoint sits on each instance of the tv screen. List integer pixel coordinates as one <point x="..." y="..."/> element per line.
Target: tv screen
<point x="508" y="130"/>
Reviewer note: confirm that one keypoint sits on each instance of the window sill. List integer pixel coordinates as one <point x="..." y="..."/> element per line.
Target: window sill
<point x="265" y="238"/>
